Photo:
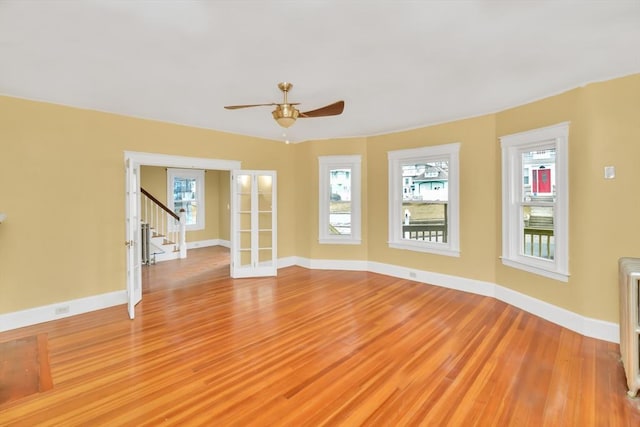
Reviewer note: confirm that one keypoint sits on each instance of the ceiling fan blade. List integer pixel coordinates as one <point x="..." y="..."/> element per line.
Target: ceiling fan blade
<point x="328" y="110"/>
<point x="235" y="107"/>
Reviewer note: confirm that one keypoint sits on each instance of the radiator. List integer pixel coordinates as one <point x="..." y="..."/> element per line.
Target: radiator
<point x="144" y="240"/>
<point x="629" y="279"/>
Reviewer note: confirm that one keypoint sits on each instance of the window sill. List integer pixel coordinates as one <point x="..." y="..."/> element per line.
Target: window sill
<point x="432" y="249"/>
<point x="187" y="228"/>
<point x="551" y="274"/>
<point x="339" y="241"/>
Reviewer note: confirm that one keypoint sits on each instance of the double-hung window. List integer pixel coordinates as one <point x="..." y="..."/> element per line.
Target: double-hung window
<point x="185" y="190"/>
<point x="423" y="199"/>
<point x="535" y="201"/>
<point x="339" y="189"/>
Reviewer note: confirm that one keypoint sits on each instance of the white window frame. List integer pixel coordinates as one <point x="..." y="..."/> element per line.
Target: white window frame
<point x="326" y="164"/>
<point x="513" y="146"/>
<point x="398" y="158"/>
<point x="198" y="175"/>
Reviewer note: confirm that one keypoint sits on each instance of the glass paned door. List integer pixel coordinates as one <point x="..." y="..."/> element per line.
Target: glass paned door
<point x="253" y="223"/>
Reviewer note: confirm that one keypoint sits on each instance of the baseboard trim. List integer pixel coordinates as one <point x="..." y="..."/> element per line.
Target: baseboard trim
<point x="328" y="264"/>
<point x="46" y="313"/>
<point x="586" y="326"/>
<point x="288" y="262"/>
<point x="206" y="243"/>
<point x="594" y="328"/>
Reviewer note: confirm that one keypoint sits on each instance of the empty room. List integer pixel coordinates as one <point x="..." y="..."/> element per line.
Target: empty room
<point x="279" y="213"/>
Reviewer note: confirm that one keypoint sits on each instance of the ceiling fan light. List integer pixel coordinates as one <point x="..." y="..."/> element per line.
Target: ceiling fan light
<point x="285" y="115"/>
<point x="285" y="122"/>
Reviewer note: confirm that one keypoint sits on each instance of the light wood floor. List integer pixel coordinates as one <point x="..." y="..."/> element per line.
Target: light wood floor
<point x="318" y="348"/>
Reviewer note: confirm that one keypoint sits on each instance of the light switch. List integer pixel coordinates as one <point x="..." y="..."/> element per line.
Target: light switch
<point x="609" y="172"/>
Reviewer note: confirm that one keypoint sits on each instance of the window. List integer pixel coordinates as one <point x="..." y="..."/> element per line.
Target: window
<point x="185" y="190"/>
<point x="535" y="201"/>
<point x="339" y="216"/>
<point x="423" y="199"/>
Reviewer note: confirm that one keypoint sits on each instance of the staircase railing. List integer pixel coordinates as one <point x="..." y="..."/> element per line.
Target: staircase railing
<point x="164" y="222"/>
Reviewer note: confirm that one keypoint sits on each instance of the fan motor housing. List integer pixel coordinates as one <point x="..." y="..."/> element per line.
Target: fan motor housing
<point x="285" y="114"/>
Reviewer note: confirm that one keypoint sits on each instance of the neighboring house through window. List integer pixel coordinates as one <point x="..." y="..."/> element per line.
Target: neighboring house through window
<point x="185" y="190"/>
<point x="339" y="190"/>
<point x="535" y="201"/>
<point x="423" y="199"/>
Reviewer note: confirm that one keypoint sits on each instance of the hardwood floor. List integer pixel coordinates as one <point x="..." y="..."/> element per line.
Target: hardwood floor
<point x="202" y="265"/>
<point x="24" y="368"/>
<point x="311" y="348"/>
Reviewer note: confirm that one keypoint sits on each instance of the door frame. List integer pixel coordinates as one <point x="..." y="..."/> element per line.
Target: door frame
<point x="136" y="159"/>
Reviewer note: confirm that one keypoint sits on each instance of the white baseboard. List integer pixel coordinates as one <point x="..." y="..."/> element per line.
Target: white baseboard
<point x="328" y="264"/>
<point x="45" y="313"/>
<point x="288" y="262"/>
<point x="207" y="243"/>
<point x="594" y="328"/>
<point x="438" y="279"/>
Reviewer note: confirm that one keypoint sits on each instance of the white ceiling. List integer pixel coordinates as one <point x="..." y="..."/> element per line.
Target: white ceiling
<point x="397" y="64"/>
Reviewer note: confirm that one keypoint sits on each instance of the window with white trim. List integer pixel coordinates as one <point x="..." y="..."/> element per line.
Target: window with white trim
<point x="535" y="201"/>
<point x="339" y="190"/>
<point x="423" y="199"/>
<point x="185" y="190"/>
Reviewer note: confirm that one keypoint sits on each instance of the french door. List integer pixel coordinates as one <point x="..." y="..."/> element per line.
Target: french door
<point x="253" y="223"/>
<point x="134" y="261"/>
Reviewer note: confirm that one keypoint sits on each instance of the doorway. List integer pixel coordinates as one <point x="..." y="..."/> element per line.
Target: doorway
<point x="133" y="162"/>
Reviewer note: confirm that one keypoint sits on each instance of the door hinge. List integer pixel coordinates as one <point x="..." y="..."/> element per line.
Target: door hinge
<point x="128" y="243"/>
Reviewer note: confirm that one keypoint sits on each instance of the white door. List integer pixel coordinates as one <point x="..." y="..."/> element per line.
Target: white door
<point x="134" y="256"/>
<point x="253" y="223"/>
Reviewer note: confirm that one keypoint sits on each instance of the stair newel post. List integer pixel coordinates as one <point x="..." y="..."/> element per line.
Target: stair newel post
<point x="183" y="234"/>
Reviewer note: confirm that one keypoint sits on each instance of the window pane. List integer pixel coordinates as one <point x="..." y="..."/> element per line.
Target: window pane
<point x="538" y="181"/>
<point x="539" y="239"/>
<point x="538" y="175"/>
<point x="425" y="195"/>
<point x="535" y="201"/>
<point x="340" y="201"/>
<point x="184" y="197"/>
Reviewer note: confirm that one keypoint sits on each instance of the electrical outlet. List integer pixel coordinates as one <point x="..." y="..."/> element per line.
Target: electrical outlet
<point x="609" y="172"/>
<point x="412" y="274"/>
<point x="62" y="309"/>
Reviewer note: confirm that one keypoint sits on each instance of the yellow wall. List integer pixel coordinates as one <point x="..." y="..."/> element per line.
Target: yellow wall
<point x="154" y="180"/>
<point x="603" y="214"/>
<point x="62" y="184"/>
<point x="478" y="208"/>
<point x="307" y="209"/>
<point x="224" y="203"/>
<point x="604" y="130"/>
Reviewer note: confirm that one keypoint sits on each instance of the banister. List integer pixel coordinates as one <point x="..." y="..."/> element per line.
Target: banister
<point x="159" y="203"/>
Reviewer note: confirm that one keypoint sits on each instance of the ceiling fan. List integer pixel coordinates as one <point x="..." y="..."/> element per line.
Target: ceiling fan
<point x="286" y="113"/>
